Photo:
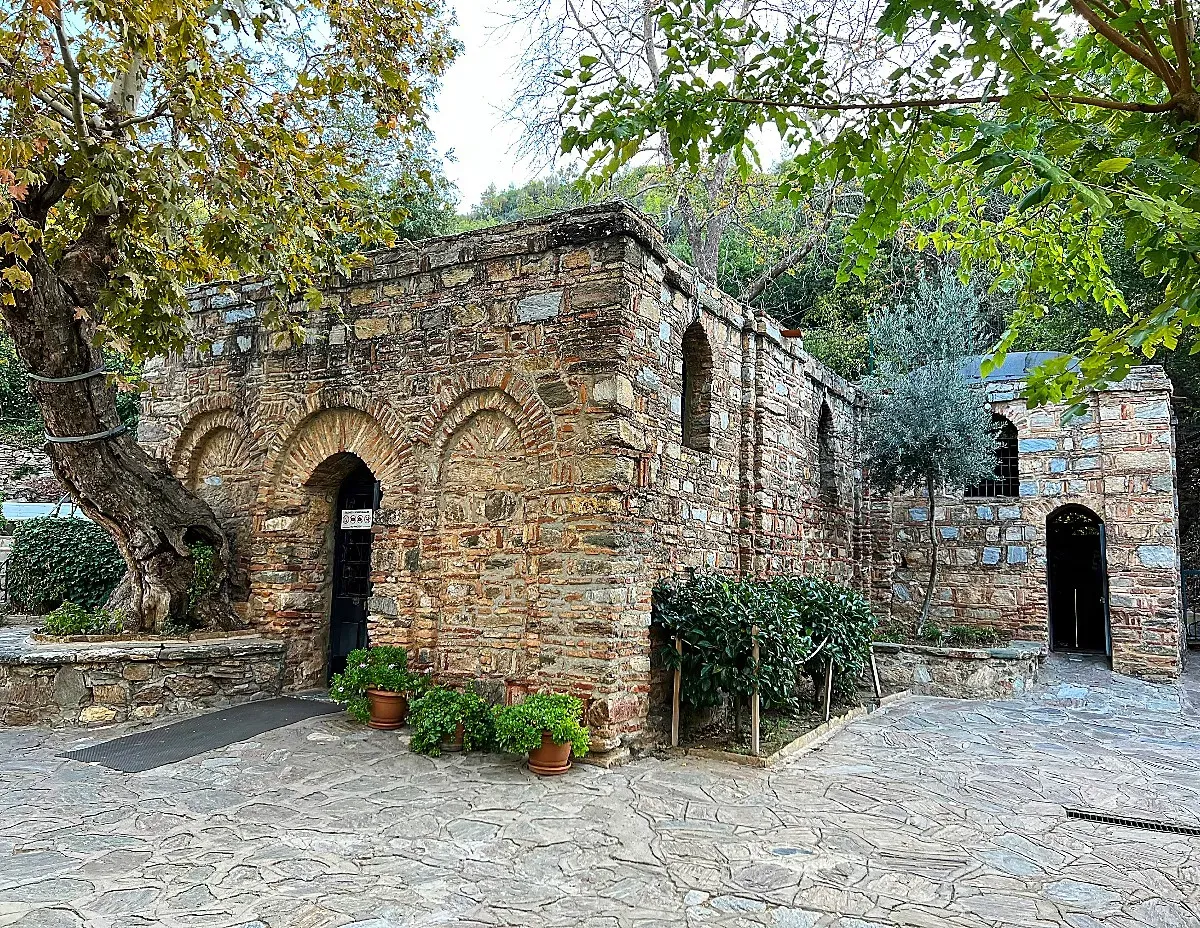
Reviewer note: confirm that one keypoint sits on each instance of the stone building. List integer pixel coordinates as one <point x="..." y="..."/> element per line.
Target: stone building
<point x="1074" y="543"/>
<point x="489" y="447"/>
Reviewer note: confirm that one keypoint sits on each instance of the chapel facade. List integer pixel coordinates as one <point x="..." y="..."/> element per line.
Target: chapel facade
<point x="489" y="447"/>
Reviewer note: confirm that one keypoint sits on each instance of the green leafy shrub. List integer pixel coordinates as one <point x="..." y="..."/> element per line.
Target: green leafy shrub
<point x="841" y="619"/>
<point x="204" y="576"/>
<point x="519" y="728"/>
<point x="802" y="622"/>
<point x="437" y="714"/>
<point x="966" y="636"/>
<point x="383" y="667"/>
<point x="61" y="560"/>
<point x="71" y="619"/>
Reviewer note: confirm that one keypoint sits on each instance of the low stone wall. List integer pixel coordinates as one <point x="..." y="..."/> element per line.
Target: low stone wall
<point x="97" y="683"/>
<point x="959" y="673"/>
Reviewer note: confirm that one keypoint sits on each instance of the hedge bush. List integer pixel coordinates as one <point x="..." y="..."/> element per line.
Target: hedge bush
<point x="803" y="622"/>
<point x="61" y="560"/>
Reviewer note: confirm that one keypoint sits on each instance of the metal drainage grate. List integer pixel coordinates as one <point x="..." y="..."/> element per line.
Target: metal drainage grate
<point x="1173" y="828"/>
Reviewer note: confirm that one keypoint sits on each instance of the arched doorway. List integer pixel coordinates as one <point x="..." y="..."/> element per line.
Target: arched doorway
<point x="357" y="499"/>
<point x="1077" y="577"/>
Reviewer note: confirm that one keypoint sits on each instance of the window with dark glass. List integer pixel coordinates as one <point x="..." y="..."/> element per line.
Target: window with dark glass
<point x="697" y="388"/>
<point x="1006" y="480"/>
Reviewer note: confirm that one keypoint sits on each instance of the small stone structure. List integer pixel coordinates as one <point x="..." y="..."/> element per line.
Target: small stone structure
<point x="959" y="673"/>
<point x="558" y="414"/>
<point x="1116" y="460"/>
<point x="97" y="683"/>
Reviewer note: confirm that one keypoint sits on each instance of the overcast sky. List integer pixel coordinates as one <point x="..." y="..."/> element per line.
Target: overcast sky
<point x="469" y="120"/>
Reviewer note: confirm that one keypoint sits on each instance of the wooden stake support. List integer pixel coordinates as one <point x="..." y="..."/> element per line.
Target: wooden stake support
<point x="828" y="688"/>
<point x="676" y="694"/>
<point x="755" y="744"/>
<point x="875" y="678"/>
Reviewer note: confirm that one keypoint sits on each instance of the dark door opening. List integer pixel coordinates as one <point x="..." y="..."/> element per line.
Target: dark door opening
<point x="359" y="493"/>
<point x="1077" y="576"/>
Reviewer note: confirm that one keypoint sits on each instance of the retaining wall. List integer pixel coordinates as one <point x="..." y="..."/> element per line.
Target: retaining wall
<point x="959" y="673"/>
<point x="97" y="683"/>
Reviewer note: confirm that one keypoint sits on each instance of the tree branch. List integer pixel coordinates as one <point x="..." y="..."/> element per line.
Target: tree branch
<point x="1120" y="40"/>
<point x="68" y="60"/>
<point x="786" y="263"/>
<point x="1180" y="30"/>
<point x="918" y="103"/>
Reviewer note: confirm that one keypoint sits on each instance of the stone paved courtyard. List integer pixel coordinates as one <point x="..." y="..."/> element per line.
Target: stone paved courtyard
<point x="930" y="813"/>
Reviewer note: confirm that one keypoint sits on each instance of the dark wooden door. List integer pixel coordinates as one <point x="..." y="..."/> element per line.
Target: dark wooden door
<point x="1077" y="575"/>
<point x="351" y="569"/>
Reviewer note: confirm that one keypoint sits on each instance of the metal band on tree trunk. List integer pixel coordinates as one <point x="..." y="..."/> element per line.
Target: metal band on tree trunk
<point x="74" y="377"/>
<point x="95" y="436"/>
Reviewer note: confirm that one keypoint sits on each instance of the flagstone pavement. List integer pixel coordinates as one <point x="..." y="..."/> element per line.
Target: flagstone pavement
<point x="929" y="813"/>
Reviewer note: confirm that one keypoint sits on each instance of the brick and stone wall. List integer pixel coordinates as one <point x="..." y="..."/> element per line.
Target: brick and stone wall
<point x="519" y="393"/>
<point x="1116" y="459"/>
<point x="98" y="683"/>
<point x="25" y="472"/>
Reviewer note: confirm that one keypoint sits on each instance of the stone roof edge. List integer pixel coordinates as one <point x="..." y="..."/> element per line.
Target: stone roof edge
<point x="579" y="226"/>
<point x="1141" y="378"/>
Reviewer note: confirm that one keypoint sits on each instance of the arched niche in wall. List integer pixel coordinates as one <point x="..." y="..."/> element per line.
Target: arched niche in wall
<point x="696" y="405"/>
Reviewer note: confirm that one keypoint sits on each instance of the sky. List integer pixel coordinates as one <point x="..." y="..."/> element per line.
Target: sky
<point x="469" y="120"/>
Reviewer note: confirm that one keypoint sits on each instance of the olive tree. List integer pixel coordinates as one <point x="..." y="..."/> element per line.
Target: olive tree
<point x="149" y="146"/>
<point x="928" y="426"/>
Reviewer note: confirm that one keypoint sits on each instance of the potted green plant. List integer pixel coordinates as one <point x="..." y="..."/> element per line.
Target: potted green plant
<point x="376" y="685"/>
<point x="547" y="726"/>
<point x="447" y="720"/>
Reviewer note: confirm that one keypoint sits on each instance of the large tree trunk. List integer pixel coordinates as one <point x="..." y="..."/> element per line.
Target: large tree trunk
<point x="151" y="515"/>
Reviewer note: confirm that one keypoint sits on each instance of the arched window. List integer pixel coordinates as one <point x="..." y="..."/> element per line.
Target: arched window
<point x="827" y="474"/>
<point x="1007" y="480"/>
<point x="697" y="388"/>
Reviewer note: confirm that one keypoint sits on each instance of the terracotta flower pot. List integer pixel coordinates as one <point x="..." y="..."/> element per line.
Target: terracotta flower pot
<point x="388" y="710"/>
<point x="453" y="743"/>
<point x="550" y="759"/>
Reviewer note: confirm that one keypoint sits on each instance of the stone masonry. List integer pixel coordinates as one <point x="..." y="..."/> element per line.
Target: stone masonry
<point x="97" y="683"/>
<point x="544" y="457"/>
<point x="517" y="392"/>
<point x="1117" y="460"/>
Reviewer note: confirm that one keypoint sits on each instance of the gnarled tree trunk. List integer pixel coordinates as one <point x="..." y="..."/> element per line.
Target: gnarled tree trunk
<point x="152" y="517"/>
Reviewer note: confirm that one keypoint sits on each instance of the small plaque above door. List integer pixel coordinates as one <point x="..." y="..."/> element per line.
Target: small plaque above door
<point x="358" y="518"/>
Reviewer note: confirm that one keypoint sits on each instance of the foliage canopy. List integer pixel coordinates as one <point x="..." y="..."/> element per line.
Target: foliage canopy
<point x="1083" y="116"/>
<point x="200" y="141"/>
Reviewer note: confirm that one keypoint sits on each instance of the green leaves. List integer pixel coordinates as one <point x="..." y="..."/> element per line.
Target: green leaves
<point x="716" y="616"/>
<point x="57" y="560"/>
<point x="382" y="667"/>
<point x="436" y="716"/>
<point x="1013" y="148"/>
<point x="242" y="148"/>
<point x="519" y="727"/>
<point x="1113" y="165"/>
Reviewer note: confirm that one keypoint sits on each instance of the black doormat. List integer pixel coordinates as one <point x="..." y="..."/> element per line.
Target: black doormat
<point x="145" y="750"/>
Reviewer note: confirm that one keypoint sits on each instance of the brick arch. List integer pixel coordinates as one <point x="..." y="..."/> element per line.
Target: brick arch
<point x="327" y="424"/>
<point x="200" y="429"/>
<point x="502" y="391"/>
<point x="197" y="419"/>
